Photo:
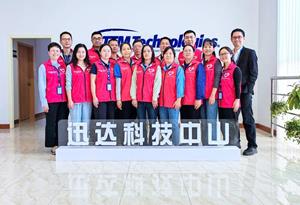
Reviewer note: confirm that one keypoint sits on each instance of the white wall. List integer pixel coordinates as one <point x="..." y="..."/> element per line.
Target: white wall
<point x="267" y="55"/>
<point x="213" y="18"/>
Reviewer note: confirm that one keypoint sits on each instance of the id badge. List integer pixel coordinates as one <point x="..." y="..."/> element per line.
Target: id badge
<point x="220" y="95"/>
<point x="59" y="90"/>
<point x="108" y="87"/>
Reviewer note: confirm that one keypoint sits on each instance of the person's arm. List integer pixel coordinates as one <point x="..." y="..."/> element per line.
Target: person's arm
<point x="93" y="85"/>
<point x="200" y="86"/>
<point x="69" y="86"/>
<point x="179" y="87"/>
<point x="118" y="76"/>
<point x="42" y="87"/>
<point x="253" y="70"/>
<point x="133" y="87"/>
<point x="157" y="84"/>
<point x="237" y="78"/>
<point x="217" y="78"/>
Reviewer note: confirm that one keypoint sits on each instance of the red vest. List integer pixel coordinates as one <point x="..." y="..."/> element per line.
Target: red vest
<point x="93" y="56"/>
<point x="159" y="60"/>
<point x="136" y="60"/>
<point x="61" y="61"/>
<point x="227" y="87"/>
<point x="210" y="76"/>
<point x="145" y="82"/>
<point x="81" y="84"/>
<point x="197" y="56"/>
<point x="54" y="79"/>
<point x="126" y="72"/>
<point x="102" y="93"/>
<point x="168" y="94"/>
<point x="190" y="74"/>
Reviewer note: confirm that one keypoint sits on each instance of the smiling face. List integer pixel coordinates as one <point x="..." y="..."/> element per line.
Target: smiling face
<point x="225" y="56"/>
<point x="147" y="53"/>
<point x="54" y="53"/>
<point x="126" y="51"/>
<point x="105" y="52"/>
<point x="237" y="39"/>
<point x="114" y="46"/>
<point x="188" y="53"/>
<point x="208" y="49"/>
<point x="169" y="57"/>
<point x="66" y="41"/>
<point x="189" y="39"/>
<point x="81" y="54"/>
<point x="97" y="40"/>
<point x="163" y="45"/>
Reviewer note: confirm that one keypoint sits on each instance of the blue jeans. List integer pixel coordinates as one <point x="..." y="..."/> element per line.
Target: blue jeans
<point x="81" y="112"/>
<point x="146" y="111"/>
<point x="171" y="115"/>
<point x="211" y="112"/>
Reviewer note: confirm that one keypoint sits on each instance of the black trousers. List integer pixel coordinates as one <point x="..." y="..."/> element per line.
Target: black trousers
<point x="105" y="110"/>
<point x="248" y="120"/>
<point x="57" y="111"/>
<point x="126" y="115"/>
<point x="189" y="114"/>
<point x="226" y="115"/>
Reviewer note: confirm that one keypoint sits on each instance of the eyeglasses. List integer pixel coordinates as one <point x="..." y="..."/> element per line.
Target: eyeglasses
<point x="97" y="39"/>
<point x="224" y="54"/>
<point x="66" y="39"/>
<point x="237" y="37"/>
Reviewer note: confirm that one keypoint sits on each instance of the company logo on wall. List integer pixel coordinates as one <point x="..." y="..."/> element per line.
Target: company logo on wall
<point x="131" y="35"/>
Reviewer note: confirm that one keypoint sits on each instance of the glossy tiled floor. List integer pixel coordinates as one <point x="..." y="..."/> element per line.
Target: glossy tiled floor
<point x="30" y="175"/>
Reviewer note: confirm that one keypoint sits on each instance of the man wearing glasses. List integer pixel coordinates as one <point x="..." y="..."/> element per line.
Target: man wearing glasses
<point x="66" y="52"/>
<point x="93" y="52"/>
<point x="246" y="60"/>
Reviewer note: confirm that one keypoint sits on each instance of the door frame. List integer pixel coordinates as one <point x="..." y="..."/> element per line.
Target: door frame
<point x="11" y="87"/>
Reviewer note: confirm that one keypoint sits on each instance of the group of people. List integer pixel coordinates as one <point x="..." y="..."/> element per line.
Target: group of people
<point x="99" y="83"/>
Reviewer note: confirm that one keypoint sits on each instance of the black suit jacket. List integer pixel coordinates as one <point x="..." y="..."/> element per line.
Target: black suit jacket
<point x="247" y="62"/>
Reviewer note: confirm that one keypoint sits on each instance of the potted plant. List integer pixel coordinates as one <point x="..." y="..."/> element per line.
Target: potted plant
<point x="292" y="127"/>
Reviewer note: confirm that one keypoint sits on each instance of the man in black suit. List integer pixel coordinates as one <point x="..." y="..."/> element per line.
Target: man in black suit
<point x="246" y="60"/>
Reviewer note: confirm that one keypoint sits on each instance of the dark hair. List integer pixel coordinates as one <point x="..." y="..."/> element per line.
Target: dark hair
<point x="238" y="30"/>
<point x="95" y="33"/>
<point x="165" y="38"/>
<point x="189" y="31"/>
<point x="210" y="42"/>
<point x="65" y="32"/>
<point x="74" y="60"/>
<point x="113" y="39"/>
<point x="170" y="48"/>
<point x="190" y="46"/>
<point x="153" y="54"/>
<point x="102" y="46"/>
<point x="121" y="46"/>
<point x="137" y="41"/>
<point x="229" y="51"/>
<point x="53" y="44"/>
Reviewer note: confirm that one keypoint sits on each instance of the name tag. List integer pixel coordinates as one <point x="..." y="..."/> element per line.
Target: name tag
<point x="108" y="87"/>
<point x="59" y="90"/>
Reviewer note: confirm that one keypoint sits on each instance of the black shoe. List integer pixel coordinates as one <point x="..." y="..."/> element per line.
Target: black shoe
<point x="250" y="151"/>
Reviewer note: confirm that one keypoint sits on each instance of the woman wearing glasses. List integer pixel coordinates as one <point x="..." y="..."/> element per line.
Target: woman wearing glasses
<point x="51" y="81"/>
<point x="229" y="95"/>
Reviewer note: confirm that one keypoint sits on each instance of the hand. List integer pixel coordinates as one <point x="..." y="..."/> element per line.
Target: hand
<point x="211" y="99"/>
<point x="46" y="108"/>
<point x="154" y="104"/>
<point x="197" y="104"/>
<point x="70" y="104"/>
<point x="96" y="102"/>
<point x="119" y="104"/>
<point x="236" y="105"/>
<point x="134" y="103"/>
<point x="177" y="104"/>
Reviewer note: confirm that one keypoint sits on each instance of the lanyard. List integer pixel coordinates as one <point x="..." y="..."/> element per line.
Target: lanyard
<point x="58" y="75"/>
<point x="108" y="70"/>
